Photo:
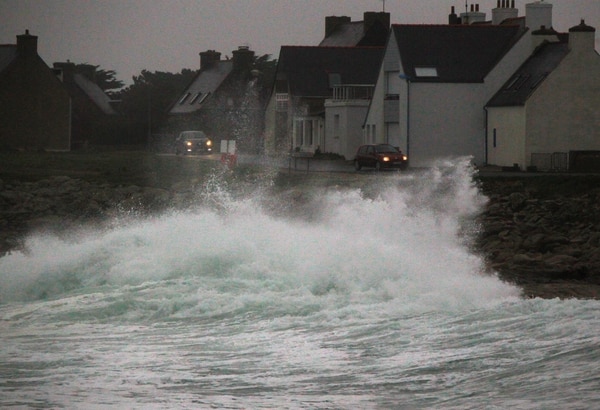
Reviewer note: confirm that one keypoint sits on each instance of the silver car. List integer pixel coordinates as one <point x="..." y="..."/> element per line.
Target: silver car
<point x="189" y="142"/>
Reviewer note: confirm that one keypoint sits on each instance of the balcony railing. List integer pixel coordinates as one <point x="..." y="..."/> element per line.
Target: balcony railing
<point x="352" y="92"/>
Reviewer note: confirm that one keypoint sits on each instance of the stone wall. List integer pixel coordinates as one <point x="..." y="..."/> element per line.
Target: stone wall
<point x="543" y="233"/>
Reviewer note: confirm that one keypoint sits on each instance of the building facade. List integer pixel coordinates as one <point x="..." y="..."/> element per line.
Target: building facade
<point x="546" y="116"/>
<point x="35" y="107"/>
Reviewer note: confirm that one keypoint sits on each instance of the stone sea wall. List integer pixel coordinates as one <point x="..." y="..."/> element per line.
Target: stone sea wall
<point x="543" y="233"/>
<point x="540" y="233"/>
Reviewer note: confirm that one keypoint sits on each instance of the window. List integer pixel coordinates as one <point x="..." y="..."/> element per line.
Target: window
<point x="184" y="98"/>
<point x="203" y="98"/>
<point x="307" y="131"/>
<point x="335" y="79"/>
<point x="373" y="134"/>
<point x="539" y="80"/>
<point x="517" y="82"/>
<point x="494" y="137"/>
<point x="281" y="100"/>
<point x="426" y="72"/>
<point x="195" y="98"/>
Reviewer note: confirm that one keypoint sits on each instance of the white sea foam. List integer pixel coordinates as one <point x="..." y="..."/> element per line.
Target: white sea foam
<point x="352" y="298"/>
<point x="401" y="242"/>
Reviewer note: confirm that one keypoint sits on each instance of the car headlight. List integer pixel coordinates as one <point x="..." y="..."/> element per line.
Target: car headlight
<point x="208" y="143"/>
<point x="404" y="158"/>
<point x="188" y="143"/>
<point x="385" y="159"/>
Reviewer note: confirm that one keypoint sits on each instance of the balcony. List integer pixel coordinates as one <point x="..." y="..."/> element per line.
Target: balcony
<point x="352" y="92"/>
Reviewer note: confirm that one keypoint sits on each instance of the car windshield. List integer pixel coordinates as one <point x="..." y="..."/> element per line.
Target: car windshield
<point x="192" y="135"/>
<point x="383" y="148"/>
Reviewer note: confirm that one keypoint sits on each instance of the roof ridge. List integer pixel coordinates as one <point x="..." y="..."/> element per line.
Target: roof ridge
<point x="340" y="47"/>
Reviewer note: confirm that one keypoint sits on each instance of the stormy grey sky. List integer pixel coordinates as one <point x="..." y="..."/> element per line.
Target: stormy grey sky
<point x="167" y="35"/>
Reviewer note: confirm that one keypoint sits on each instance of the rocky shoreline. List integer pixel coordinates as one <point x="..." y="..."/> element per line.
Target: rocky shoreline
<point x="541" y="233"/>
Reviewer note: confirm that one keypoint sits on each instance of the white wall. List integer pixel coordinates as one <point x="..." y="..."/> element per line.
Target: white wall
<point x="391" y="62"/>
<point x="449" y="119"/>
<point x="564" y="112"/>
<point x="349" y="136"/>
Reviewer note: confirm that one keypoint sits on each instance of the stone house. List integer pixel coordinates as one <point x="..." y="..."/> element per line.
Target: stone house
<point x="94" y="120"/>
<point x="223" y="100"/>
<point x="546" y="116"/>
<point x="35" y="107"/>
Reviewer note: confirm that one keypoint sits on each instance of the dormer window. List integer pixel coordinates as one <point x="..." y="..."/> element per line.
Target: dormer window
<point x="184" y="98"/>
<point x="517" y="82"/>
<point x="203" y="97"/>
<point x="195" y="98"/>
<point x="430" y="72"/>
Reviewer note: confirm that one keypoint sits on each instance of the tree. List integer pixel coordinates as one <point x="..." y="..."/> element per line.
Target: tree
<point x="147" y="100"/>
<point x="105" y="79"/>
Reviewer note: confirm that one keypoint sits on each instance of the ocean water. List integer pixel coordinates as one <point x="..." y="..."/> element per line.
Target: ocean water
<point x="360" y="298"/>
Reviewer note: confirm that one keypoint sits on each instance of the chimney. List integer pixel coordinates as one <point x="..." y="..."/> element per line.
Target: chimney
<point x="208" y="58"/>
<point x="453" y="17"/>
<point x="473" y="16"/>
<point x="582" y="38"/>
<point x="505" y="10"/>
<point x="538" y="14"/>
<point x="26" y="44"/>
<point x="67" y="70"/>
<point x="372" y="17"/>
<point x="542" y="35"/>
<point x="243" y="58"/>
<point x="331" y="22"/>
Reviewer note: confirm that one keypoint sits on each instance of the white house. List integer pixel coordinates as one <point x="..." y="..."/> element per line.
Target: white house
<point x="435" y="81"/>
<point x="547" y="115"/>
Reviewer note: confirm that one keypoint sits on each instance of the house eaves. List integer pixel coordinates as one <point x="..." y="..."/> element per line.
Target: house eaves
<point x="205" y="84"/>
<point x="453" y="53"/>
<point x="94" y="93"/>
<point x="523" y="83"/>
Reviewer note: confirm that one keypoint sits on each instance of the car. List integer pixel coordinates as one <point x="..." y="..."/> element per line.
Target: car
<point x="380" y="156"/>
<point x="189" y="142"/>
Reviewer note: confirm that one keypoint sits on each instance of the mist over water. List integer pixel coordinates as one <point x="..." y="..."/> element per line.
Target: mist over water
<point x="361" y="296"/>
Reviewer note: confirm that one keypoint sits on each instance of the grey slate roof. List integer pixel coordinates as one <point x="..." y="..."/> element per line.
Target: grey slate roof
<point x="206" y="82"/>
<point x="7" y="55"/>
<point x="308" y="69"/>
<point x="459" y="53"/>
<point x="345" y="35"/>
<point x="521" y="85"/>
<point x="95" y="93"/>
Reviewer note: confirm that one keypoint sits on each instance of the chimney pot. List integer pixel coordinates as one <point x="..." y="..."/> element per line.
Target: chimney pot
<point x="208" y="58"/>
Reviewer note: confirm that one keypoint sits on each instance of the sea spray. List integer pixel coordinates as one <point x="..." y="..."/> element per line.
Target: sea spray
<point x="397" y="241"/>
<point x="361" y="296"/>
